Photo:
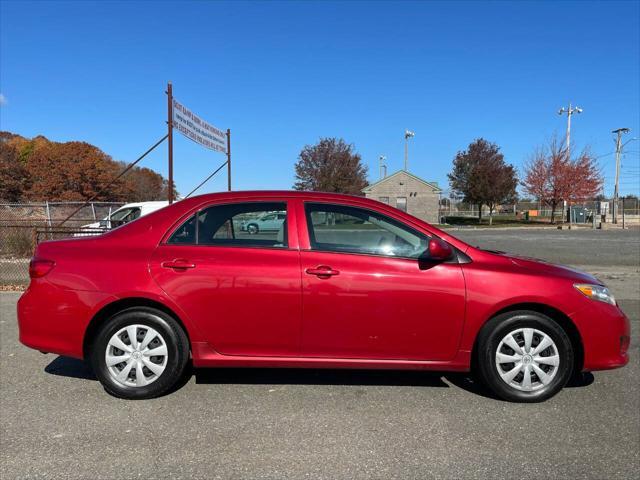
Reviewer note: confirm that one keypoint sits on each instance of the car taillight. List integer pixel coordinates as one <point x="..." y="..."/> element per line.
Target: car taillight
<point x="39" y="267"/>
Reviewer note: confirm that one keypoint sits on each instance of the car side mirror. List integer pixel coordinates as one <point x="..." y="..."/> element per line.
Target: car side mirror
<point x="439" y="250"/>
<point x="104" y="223"/>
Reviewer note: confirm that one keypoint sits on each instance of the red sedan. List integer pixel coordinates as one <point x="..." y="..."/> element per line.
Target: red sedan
<point x="341" y="282"/>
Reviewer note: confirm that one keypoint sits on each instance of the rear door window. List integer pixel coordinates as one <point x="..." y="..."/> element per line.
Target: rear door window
<point x="236" y="224"/>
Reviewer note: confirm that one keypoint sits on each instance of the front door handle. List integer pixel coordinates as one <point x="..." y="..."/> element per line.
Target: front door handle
<point x="322" y="271"/>
<point x="178" y="264"/>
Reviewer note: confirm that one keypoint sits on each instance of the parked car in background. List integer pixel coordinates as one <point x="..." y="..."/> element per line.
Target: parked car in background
<point x="267" y="222"/>
<point x="126" y="214"/>
<point x="345" y="282"/>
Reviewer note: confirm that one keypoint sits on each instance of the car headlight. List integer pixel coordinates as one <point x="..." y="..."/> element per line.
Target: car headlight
<point x="596" y="292"/>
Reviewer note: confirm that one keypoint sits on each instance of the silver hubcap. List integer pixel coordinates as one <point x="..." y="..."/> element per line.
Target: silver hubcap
<point x="527" y="359"/>
<point x="136" y="355"/>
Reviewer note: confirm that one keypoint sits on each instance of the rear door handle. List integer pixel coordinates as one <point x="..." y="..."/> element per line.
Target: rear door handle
<point x="178" y="264"/>
<point x="322" y="271"/>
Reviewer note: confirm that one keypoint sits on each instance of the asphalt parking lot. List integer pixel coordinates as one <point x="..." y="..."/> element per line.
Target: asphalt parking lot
<point x="57" y="422"/>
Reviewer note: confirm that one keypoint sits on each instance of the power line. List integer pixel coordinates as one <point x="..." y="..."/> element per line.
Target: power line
<point x="605" y="155"/>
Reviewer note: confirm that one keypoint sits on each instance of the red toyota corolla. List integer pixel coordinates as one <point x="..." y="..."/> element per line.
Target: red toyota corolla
<point x="284" y="279"/>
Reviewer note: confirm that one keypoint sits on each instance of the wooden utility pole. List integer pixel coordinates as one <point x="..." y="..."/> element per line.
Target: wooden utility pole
<point x="616" y="190"/>
<point x="170" y="138"/>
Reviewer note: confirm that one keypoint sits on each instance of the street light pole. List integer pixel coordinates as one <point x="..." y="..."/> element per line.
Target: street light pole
<point x="616" y="189"/>
<point x="569" y="111"/>
<point x="407" y="135"/>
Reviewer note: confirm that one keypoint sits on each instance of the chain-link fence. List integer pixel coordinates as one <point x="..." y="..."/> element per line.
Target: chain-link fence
<point x="23" y="225"/>
<point x="627" y="212"/>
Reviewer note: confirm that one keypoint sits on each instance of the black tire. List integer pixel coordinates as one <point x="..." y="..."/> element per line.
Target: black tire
<point x="253" y="228"/>
<point x="489" y="340"/>
<point x="177" y="357"/>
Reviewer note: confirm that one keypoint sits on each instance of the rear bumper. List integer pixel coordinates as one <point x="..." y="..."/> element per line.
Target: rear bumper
<point x="54" y="320"/>
<point x="605" y="332"/>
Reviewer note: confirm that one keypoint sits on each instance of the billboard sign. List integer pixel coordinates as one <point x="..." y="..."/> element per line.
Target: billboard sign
<point x="195" y="128"/>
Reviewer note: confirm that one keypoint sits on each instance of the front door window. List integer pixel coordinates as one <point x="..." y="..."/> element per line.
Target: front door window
<point x="337" y="228"/>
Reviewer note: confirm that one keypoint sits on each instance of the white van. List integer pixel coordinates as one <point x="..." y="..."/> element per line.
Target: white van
<point x="126" y="214"/>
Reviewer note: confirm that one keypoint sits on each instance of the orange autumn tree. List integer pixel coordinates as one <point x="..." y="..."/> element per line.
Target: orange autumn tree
<point x="72" y="171"/>
<point x="553" y="177"/>
<point x="38" y="169"/>
<point x="142" y="184"/>
<point x="13" y="174"/>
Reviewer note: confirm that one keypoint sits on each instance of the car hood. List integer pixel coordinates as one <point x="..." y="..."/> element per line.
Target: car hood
<point x="552" y="269"/>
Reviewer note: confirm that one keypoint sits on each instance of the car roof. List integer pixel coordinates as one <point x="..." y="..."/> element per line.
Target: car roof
<point x="162" y="219"/>
<point x="271" y="195"/>
<point x="276" y="193"/>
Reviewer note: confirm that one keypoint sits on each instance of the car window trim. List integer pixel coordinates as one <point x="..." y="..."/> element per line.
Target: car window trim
<point x="362" y="254"/>
<point x="195" y="213"/>
<point x="459" y="257"/>
<point x="260" y="247"/>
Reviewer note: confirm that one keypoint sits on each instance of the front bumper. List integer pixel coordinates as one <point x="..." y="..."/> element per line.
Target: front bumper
<point x="605" y="332"/>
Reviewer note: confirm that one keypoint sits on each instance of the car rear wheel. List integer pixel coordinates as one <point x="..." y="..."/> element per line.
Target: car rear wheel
<point x="252" y="228"/>
<point x="524" y="356"/>
<point x="140" y="353"/>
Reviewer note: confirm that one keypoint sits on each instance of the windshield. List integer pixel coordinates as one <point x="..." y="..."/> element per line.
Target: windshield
<point x="124" y="215"/>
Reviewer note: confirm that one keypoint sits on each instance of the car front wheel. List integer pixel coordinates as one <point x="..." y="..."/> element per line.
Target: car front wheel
<point x="140" y="353"/>
<point x="524" y="356"/>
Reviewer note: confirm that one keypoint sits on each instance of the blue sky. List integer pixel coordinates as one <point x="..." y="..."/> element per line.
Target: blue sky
<point x="281" y="75"/>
